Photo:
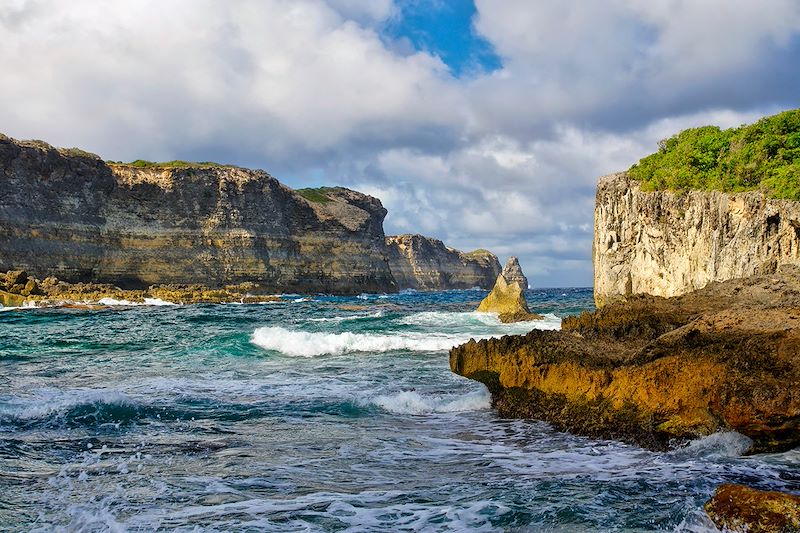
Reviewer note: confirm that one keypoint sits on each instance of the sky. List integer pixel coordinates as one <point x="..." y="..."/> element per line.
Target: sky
<point x="485" y="124"/>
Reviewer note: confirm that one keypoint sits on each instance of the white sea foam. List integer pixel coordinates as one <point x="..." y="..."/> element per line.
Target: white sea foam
<point x="721" y="444"/>
<point x="347" y="318"/>
<point x="157" y="302"/>
<point x="414" y="403"/>
<point x="444" y="319"/>
<point x="47" y="402"/>
<point x="116" y="302"/>
<point x="308" y="344"/>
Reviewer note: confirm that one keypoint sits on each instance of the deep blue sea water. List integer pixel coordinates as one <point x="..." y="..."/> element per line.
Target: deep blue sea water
<point x="314" y="414"/>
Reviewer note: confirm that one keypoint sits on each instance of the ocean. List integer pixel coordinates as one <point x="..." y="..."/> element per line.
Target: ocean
<point x="315" y="413"/>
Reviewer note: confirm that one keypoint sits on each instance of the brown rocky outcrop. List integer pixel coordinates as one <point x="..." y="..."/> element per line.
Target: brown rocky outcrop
<point x="737" y="508"/>
<point x="426" y="264"/>
<point x="668" y="243"/>
<point x="52" y="292"/>
<point x="652" y="370"/>
<point x="69" y="214"/>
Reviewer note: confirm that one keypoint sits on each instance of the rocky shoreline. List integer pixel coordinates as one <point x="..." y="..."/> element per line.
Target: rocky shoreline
<point x="656" y="371"/>
<point x="18" y="289"/>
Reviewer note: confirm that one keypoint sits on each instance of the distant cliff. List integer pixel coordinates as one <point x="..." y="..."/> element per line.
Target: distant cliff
<point x="423" y="263"/>
<point x="668" y="243"/>
<point x="69" y="214"/>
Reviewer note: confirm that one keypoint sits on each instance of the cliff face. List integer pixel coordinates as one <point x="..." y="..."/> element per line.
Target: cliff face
<point x="668" y="243"/>
<point x="69" y="214"/>
<point x="423" y="263"/>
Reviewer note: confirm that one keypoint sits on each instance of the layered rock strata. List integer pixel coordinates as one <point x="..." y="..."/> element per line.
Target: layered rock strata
<point x="426" y="264"/>
<point x="654" y="371"/>
<point x="668" y="243"/>
<point x="69" y="214"/>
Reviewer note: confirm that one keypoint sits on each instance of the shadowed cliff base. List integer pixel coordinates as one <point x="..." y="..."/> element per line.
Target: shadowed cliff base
<point x="656" y="371"/>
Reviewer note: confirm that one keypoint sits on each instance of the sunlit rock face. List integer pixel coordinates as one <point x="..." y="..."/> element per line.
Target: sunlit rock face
<point x="422" y="263"/>
<point x="69" y="214"/>
<point x="667" y="243"/>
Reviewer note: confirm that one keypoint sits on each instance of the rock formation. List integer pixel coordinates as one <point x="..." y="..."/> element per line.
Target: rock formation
<point x="651" y="370"/>
<point x="52" y="292"/>
<point x="737" y="508"/>
<point x="508" y="301"/>
<point x="668" y="243"/>
<point x="426" y="264"/>
<point x="513" y="272"/>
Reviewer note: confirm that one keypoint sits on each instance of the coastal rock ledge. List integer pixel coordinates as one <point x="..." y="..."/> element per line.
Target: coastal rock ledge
<point x="656" y="371"/>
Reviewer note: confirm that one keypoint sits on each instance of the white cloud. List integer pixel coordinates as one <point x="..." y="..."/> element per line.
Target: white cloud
<point x="311" y="91"/>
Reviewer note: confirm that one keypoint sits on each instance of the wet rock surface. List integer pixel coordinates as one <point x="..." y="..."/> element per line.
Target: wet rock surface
<point x="737" y="508"/>
<point x="657" y="371"/>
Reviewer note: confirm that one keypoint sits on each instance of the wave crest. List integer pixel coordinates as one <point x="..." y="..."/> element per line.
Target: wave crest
<point x="310" y="344"/>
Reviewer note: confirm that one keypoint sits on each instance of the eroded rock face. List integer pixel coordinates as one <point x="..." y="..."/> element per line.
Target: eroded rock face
<point x="654" y="370"/>
<point x="512" y="272"/>
<point x="422" y="263"/>
<point x="669" y="243"/>
<point x="737" y="508"/>
<point x="508" y="301"/>
<point x="69" y="214"/>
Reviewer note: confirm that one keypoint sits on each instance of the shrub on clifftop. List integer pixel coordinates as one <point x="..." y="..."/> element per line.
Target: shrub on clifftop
<point x="764" y="156"/>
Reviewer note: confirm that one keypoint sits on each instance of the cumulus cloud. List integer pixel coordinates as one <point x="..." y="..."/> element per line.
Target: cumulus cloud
<point x="312" y="91"/>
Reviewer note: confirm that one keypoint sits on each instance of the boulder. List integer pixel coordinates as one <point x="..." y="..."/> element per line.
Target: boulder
<point x="513" y="272"/>
<point x="508" y="301"/>
<point x="657" y="371"/>
<point x="737" y="508"/>
<point x="8" y="299"/>
<point x="16" y="277"/>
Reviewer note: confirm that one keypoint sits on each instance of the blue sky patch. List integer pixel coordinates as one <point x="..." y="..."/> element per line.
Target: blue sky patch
<point x="443" y="28"/>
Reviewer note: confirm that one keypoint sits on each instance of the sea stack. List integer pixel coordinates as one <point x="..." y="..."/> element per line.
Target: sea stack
<point x="513" y="272"/>
<point x="507" y="298"/>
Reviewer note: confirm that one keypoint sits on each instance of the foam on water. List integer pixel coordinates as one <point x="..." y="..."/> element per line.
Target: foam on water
<point x="48" y="403"/>
<point x="310" y="344"/>
<point x="117" y="302"/>
<point x="414" y="403"/>
<point x="717" y="445"/>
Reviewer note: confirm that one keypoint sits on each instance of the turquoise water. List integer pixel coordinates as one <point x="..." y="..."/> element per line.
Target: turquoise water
<point x="314" y="414"/>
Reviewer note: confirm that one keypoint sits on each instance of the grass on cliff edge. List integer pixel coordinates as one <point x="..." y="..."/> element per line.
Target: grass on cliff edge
<point x="141" y="163"/>
<point x="763" y="156"/>
<point x="318" y="194"/>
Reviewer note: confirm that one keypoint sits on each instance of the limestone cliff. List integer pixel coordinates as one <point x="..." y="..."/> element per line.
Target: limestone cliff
<point x="667" y="243"/>
<point x="423" y="263"/>
<point x="69" y="214"/>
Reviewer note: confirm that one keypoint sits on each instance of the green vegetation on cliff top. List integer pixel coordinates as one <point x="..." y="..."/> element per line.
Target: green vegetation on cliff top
<point x="318" y="194"/>
<point x="141" y="163"/>
<point x="762" y="156"/>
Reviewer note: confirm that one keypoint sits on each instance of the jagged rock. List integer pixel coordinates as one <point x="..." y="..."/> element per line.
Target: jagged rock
<point x="508" y="301"/>
<point x="15" y="277"/>
<point x="737" y="508"/>
<point x="31" y="287"/>
<point x="422" y="263"/>
<point x="668" y="243"/>
<point x="651" y="370"/>
<point x="513" y="272"/>
<point x="71" y="215"/>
